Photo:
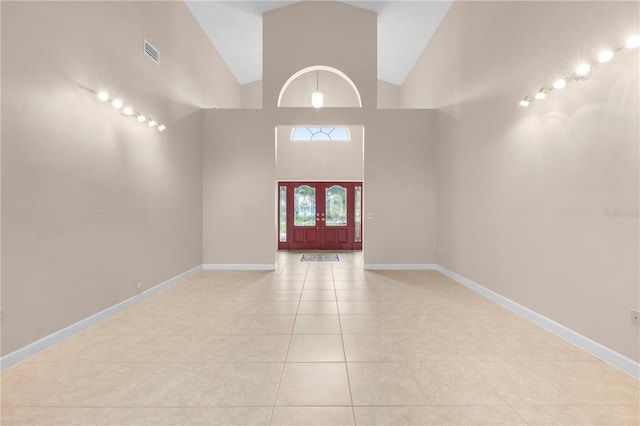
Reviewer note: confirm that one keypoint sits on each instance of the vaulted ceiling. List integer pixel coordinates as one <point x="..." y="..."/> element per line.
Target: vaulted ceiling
<point x="235" y="29"/>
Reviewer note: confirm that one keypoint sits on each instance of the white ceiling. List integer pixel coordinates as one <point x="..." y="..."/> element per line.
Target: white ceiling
<point x="235" y="29"/>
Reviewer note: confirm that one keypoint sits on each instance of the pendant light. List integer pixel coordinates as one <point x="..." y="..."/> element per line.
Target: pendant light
<point x="317" y="98"/>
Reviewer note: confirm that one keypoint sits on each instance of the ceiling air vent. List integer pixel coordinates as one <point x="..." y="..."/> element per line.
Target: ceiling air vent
<point x="151" y="52"/>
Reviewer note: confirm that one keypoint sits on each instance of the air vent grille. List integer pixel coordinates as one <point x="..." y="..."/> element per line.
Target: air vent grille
<point x="151" y="52"/>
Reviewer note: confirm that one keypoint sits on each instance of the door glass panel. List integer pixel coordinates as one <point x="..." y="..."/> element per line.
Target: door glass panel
<point x="358" y="214"/>
<point x="336" y="206"/>
<point x="283" y="214"/>
<point x="304" y="206"/>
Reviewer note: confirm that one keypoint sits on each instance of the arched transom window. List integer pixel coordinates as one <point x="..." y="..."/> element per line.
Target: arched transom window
<point x="320" y="134"/>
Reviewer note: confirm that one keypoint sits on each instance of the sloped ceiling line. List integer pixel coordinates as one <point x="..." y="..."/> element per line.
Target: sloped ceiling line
<point x="235" y="29"/>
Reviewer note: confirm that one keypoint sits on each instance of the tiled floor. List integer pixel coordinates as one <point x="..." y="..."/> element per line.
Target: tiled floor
<point x="317" y="344"/>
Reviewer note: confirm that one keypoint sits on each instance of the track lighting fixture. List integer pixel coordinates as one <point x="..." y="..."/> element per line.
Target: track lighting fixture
<point x="128" y="111"/>
<point x="582" y="71"/>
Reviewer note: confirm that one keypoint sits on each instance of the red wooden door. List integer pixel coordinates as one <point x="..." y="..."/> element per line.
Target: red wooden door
<point x="320" y="216"/>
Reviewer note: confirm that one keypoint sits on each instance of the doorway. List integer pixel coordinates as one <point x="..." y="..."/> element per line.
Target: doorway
<point x="320" y="215"/>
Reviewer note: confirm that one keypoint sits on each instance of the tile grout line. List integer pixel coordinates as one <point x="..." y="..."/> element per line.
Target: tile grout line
<point x="286" y="355"/>
<point x="344" y="351"/>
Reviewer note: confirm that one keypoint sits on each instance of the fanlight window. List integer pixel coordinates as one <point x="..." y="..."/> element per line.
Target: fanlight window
<point x="320" y="134"/>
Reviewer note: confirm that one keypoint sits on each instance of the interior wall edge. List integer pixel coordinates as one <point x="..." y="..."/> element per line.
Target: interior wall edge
<point x="239" y="266"/>
<point x="399" y="266"/>
<point x="596" y="349"/>
<point x="19" y="355"/>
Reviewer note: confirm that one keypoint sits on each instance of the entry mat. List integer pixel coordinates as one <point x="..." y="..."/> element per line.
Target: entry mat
<point x="320" y="258"/>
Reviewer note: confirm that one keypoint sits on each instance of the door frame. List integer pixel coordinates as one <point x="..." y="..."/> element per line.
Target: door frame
<point x="352" y="228"/>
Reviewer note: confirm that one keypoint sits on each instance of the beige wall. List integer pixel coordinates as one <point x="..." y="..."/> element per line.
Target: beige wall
<point x="251" y="94"/>
<point x="239" y="146"/>
<point x="389" y="95"/>
<point x="297" y="37"/>
<point x="93" y="202"/>
<point x="400" y="188"/>
<point x="319" y="160"/>
<point x="239" y="196"/>
<point x="523" y="194"/>
<point x="240" y="180"/>
<point x="336" y="90"/>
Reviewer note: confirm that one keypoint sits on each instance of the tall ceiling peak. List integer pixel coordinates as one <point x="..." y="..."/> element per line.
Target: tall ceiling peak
<point x="235" y="29"/>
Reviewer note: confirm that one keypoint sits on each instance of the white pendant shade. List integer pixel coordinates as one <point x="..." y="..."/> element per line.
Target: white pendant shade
<point x="317" y="99"/>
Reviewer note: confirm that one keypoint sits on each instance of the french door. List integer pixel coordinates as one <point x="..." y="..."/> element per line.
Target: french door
<point x="320" y="216"/>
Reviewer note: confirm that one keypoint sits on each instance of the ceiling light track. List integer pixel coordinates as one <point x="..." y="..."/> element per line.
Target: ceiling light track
<point x="581" y="73"/>
<point x="128" y="111"/>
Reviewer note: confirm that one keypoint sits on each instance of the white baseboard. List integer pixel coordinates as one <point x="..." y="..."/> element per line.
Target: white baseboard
<point x="608" y="355"/>
<point x="46" y="342"/>
<point x="399" y="266"/>
<point x="239" y="266"/>
<point x="614" y="358"/>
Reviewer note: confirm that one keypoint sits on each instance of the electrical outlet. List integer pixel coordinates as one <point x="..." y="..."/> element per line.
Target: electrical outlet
<point x="139" y="285"/>
<point x="635" y="317"/>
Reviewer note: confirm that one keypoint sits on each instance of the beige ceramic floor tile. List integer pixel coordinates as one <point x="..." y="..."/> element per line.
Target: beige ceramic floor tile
<point x="362" y="324"/>
<point x="317" y="324"/>
<point x="559" y="415"/>
<point x="9" y="415"/>
<point x="315" y="348"/>
<point x="270" y="324"/>
<point x="390" y="416"/>
<point x="371" y="347"/>
<point x="617" y="414"/>
<point x="358" y="307"/>
<point x="63" y="416"/>
<point x="223" y="325"/>
<point x="427" y="347"/>
<point x="596" y="382"/>
<point x="277" y="308"/>
<point x="284" y="295"/>
<point x="271" y="348"/>
<point x="544" y="346"/>
<point x="527" y="383"/>
<point x="97" y="385"/>
<point x="325" y="416"/>
<point x="318" y="295"/>
<point x="483" y="347"/>
<point x="313" y="276"/>
<point x="384" y="383"/>
<point x="318" y="308"/>
<point x="293" y="277"/>
<point x="246" y="384"/>
<point x="349" y="284"/>
<point x="560" y="382"/>
<point x="146" y="416"/>
<point x="314" y="384"/>
<point x="208" y="349"/>
<point x="229" y="416"/>
<point x="346" y="275"/>
<point x="318" y="285"/>
<point x="455" y="383"/>
<point x="286" y="285"/>
<point x="354" y="295"/>
<point x="138" y="349"/>
<point x="478" y="416"/>
<point x="173" y="385"/>
<point x="465" y="350"/>
<point x="30" y="384"/>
